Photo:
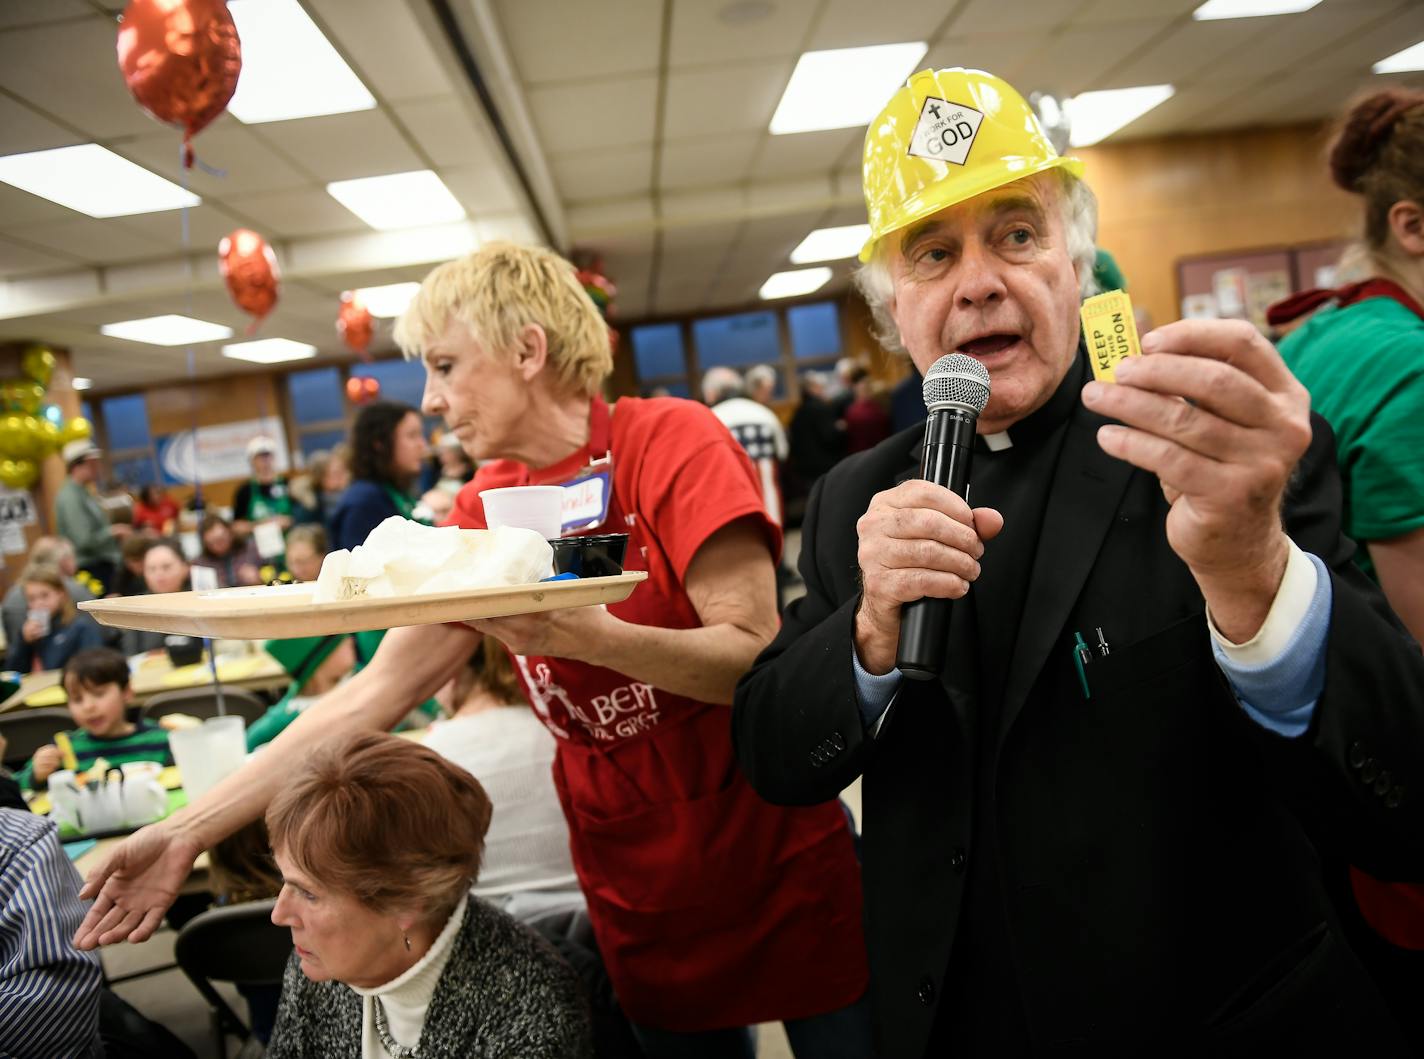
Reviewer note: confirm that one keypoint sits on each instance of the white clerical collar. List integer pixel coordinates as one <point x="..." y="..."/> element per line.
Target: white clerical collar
<point x="998" y="442"/>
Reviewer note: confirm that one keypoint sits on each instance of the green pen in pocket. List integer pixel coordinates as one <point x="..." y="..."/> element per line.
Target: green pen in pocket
<point x="1082" y="655"/>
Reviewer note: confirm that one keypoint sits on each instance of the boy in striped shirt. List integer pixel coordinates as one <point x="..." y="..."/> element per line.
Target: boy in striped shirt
<point x="97" y="683"/>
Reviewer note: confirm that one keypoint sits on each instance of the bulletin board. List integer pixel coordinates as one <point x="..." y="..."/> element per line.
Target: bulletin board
<point x="1241" y="285"/>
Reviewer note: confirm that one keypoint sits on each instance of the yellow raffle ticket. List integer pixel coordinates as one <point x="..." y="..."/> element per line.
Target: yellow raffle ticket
<point x="1110" y="331"/>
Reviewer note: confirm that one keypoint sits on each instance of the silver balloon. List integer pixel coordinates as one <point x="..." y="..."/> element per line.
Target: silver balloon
<point x="1052" y="114"/>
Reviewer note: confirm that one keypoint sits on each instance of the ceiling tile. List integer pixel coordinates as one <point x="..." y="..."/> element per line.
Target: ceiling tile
<point x="240" y="161"/>
<point x="615" y="173"/>
<point x="94" y="241"/>
<point x="343" y="146"/>
<point x="384" y="45"/>
<point x="599" y="114"/>
<point x="701" y="37"/>
<point x="84" y="88"/>
<point x="447" y="133"/>
<point x="718" y="160"/>
<point x="18" y="260"/>
<point x="15" y="13"/>
<point x="589" y="220"/>
<point x="994" y="16"/>
<point x="1098" y="12"/>
<point x="286" y="214"/>
<point x="1072" y="61"/>
<point x="206" y="226"/>
<point x="727" y="99"/>
<point x="806" y="152"/>
<point x="698" y="241"/>
<point x="854" y="23"/>
<point x="21" y="130"/>
<point x="1184" y="55"/>
<point x="553" y="40"/>
<point x="483" y="189"/>
<point x="1002" y="54"/>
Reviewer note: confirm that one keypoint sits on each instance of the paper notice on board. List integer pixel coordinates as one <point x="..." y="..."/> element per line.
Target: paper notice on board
<point x="12" y="538"/>
<point x="268" y="537"/>
<point x="1229" y="288"/>
<point x="1199" y="307"/>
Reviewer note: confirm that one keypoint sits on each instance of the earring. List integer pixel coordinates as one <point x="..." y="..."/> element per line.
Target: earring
<point x="407" y="941"/>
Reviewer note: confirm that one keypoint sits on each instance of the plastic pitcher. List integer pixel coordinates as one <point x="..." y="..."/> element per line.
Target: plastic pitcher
<point x="208" y="753"/>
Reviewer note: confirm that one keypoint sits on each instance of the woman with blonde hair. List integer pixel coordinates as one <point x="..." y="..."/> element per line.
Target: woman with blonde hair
<point x="712" y="909"/>
<point x="378" y="841"/>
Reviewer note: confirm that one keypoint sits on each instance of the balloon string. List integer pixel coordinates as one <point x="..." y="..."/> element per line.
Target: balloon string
<point x="212" y="171"/>
<point x="187" y="233"/>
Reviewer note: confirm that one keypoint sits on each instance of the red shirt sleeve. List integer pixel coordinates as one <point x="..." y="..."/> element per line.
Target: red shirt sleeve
<point x="469" y="509"/>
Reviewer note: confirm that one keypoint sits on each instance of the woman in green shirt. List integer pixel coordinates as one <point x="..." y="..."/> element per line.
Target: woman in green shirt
<point x="1361" y="356"/>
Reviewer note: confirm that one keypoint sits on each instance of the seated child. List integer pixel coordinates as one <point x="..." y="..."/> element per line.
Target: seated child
<point x="97" y="682"/>
<point x="316" y="664"/>
<point x="54" y="630"/>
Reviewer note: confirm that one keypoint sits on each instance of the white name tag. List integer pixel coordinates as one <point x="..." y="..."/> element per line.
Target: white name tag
<point x="585" y="503"/>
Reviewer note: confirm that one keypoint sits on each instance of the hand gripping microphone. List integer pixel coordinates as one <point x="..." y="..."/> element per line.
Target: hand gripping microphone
<point x="956" y="389"/>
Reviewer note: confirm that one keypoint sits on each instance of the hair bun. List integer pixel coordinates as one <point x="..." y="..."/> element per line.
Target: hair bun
<point x="1364" y="131"/>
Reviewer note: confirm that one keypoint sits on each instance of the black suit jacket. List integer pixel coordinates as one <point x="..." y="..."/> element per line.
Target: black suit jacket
<point x="1156" y="848"/>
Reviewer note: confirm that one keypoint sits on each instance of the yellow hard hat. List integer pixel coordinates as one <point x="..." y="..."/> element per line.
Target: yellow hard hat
<point x="945" y="137"/>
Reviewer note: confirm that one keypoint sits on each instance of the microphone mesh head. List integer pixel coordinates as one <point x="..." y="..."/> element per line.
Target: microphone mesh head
<point x="957" y="379"/>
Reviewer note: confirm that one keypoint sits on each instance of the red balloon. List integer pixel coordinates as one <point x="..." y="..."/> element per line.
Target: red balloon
<point x="355" y="324"/>
<point x="181" y="60"/>
<point x="250" y="269"/>
<point x="361" y="389"/>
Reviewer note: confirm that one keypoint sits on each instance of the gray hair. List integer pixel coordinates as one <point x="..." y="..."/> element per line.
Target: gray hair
<point x="761" y="375"/>
<point x="1080" y="223"/>
<point x="720" y="384"/>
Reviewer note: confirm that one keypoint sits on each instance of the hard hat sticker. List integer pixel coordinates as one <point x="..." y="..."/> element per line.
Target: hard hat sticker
<point x="945" y="131"/>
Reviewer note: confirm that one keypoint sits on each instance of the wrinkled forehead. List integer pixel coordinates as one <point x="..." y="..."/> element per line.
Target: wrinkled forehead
<point x="1038" y="196"/>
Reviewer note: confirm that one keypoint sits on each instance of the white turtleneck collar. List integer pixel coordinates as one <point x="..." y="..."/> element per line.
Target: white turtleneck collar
<point x="406" y="999"/>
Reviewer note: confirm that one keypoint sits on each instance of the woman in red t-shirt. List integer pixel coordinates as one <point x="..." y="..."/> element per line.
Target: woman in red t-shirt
<point x="712" y="909"/>
<point x="154" y="509"/>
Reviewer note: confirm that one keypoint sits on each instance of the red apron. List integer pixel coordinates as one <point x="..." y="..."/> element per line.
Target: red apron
<point x="1394" y="910"/>
<point x="711" y="907"/>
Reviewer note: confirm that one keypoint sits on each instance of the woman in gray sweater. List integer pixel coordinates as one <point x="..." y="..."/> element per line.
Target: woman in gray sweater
<point x="379" y="841"/>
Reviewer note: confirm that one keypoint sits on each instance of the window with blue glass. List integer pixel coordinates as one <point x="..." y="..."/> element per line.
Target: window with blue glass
<point x="126" y="422"/>
<point x="136" y="471"/>
<point x="815" y="330"/>
<point x="313" y="441"/>
<point x="316" y="395"/>
<point x="658" y="351"/>
<point x="401" y="380"/>
<point x="737" y="341"/>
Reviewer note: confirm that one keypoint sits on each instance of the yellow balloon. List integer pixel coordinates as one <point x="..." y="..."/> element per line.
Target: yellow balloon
<point x="31" y="396"/>
<point x="38" y="363"/>
<point x="33" y="445"/>
<point x="10" y="394"/>
<point x="77" y="429"/>
<point x="18" y="474"/>
<point x="13" y="440"/>
<point x="49" y="435"/>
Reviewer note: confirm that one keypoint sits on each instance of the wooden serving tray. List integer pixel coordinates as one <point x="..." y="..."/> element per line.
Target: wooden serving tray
<point x="286" y="611"/>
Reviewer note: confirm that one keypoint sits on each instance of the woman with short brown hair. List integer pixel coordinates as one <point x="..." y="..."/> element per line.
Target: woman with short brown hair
<point x="379" y="841"/>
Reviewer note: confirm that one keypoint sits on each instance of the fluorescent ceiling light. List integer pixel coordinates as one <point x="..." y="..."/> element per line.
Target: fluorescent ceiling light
<point x="790" y="284"/>
<point x="1250" y="8"/>
<point x="167" y="330"/>
<point x="1411" y="58"/>
<point x="389" y="300"/>
<point x="93" y="180"/>
<point x="289" y="70"/>
<point x="269" y="351"/>
<point x="80" y="383"/>
<point x="401" y="200"/>
<point x="831" y="244"/>
<point x="1097" y="115"/>
<point x="843" y="87"/>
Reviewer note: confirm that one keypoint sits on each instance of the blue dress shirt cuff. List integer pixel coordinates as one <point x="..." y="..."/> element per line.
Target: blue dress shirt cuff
<point x="1280" y="692"/>
<point x="873" y="693"/>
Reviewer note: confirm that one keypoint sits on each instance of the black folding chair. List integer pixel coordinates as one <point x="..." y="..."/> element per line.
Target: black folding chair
<point x="25" y="731"/>
<point x="202" y="702"/>
<point x="238" y="944"/>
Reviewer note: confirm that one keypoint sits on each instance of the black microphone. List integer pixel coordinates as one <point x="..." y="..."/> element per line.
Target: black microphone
<point x="956" y="389"/>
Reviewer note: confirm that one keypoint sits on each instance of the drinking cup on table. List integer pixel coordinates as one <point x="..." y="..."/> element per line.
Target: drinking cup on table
<point x="144" y="798"/>
<point x="64" y="797"/>
<point x="101" y="807"/>
<point x="208" y="753"/>
<point x="535" y="507"/>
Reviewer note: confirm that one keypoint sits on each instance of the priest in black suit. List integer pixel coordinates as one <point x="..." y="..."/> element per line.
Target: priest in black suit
<point x="1168" y="691"/>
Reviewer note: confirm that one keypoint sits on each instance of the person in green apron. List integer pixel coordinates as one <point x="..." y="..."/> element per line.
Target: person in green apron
<point x="387" y="450"/>
<point x="265" y="496"/>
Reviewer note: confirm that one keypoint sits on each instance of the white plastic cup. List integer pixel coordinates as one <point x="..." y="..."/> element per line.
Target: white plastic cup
<point x="534" y="507"/>
<point x="207" y="754"/>
<point x="64" y="797"/>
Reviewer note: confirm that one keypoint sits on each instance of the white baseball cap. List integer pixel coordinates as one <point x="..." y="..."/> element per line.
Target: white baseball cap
<point x="261" y="445"/>
<point x="79" y="450"/>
